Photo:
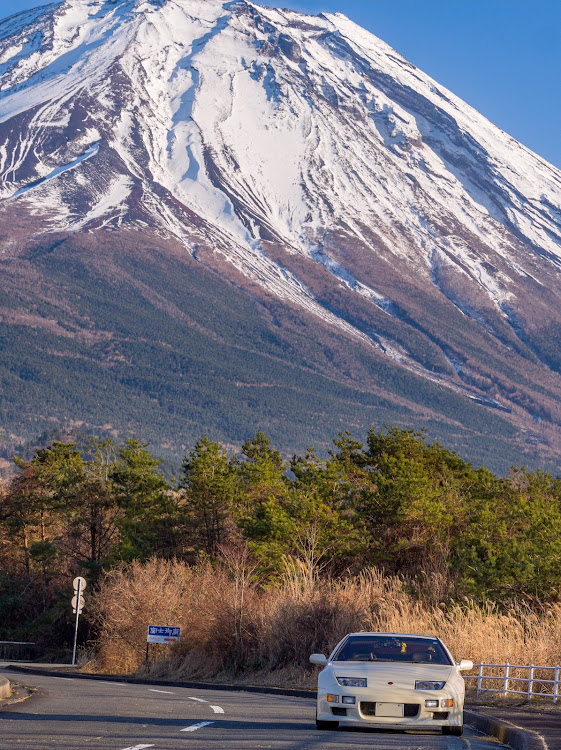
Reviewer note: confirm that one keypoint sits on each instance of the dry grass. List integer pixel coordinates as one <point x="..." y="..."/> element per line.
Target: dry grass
<point x="233" y="627"/>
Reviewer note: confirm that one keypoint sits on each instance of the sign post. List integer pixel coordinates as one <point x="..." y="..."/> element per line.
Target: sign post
<point x="77" y="607"/>
<point x="162" y="634"/>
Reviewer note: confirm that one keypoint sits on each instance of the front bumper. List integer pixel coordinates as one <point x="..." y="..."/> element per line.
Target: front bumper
<point x="416" y="715"/>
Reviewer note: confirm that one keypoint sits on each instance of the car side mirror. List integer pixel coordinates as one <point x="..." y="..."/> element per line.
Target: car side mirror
<point x="318" y="659"/>
<point x="465" y="665"/>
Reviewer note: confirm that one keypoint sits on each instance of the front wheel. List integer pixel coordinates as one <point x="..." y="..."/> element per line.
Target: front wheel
<point x="329" y="725"/>
<point x="454" y="731"/>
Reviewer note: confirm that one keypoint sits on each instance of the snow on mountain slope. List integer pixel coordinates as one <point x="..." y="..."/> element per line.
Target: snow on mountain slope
<point x="276" y="139"/>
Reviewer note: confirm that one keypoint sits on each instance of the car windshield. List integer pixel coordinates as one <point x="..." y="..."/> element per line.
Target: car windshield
<point x="401" y="648"/>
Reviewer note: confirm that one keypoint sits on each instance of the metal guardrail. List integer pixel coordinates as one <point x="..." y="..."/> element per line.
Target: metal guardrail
<point x="504" y="679"/>
<point x="17" y="651"/>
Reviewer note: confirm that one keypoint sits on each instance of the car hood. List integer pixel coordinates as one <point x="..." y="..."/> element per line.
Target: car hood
<point x="401" y="675"/>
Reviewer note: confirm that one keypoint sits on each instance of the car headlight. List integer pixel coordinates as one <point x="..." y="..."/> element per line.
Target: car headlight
<point x="352" y="681"/>
<point x="428" y="685"/>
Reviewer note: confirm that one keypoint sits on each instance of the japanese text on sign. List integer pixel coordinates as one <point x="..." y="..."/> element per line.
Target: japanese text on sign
<point x="163" y="634"/>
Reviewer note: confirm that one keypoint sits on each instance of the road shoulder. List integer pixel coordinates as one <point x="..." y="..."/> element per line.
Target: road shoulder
<point x="507" y="732"/>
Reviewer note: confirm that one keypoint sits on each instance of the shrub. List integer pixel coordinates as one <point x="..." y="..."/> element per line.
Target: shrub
<point x="233" y="627"/>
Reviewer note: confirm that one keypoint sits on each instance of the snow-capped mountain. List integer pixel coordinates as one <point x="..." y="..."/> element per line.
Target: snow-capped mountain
<point x="306" y="161"/>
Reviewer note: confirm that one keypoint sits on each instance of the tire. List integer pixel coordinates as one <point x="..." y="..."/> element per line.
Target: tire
<point x="327" y="725"/>
<point x="454" y="731"/>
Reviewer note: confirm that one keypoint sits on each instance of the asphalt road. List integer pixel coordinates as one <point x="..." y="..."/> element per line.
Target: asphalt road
<point x="74" y="714"/>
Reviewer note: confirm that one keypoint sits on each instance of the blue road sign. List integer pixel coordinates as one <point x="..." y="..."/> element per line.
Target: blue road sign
<point x="163" y="634"/>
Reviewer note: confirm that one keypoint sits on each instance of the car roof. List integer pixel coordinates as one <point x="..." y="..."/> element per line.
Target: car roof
<point x="395" y="635"/>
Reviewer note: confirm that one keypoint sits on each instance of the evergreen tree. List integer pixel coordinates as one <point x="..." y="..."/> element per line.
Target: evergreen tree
<point x="148" y="520"/>
<point x="209" y="485"/>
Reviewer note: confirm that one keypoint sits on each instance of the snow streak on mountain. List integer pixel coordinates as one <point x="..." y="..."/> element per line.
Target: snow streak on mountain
<point x="296" y="154"/>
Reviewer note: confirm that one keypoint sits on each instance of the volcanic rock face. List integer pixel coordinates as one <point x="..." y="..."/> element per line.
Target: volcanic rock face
<point x="305" y="162"/>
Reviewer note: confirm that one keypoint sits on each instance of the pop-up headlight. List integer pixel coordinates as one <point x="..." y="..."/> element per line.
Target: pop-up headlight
<point x="429" y="685"/>
<point x="352" y="681"/>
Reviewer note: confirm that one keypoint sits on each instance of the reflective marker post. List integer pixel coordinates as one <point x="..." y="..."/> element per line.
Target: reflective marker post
<point x="77" y="604"/>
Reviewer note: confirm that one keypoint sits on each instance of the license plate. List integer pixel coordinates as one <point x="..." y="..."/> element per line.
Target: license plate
<point x="389" y="709"/>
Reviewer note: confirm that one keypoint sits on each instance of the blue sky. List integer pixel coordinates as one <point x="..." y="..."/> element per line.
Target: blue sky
<point x="501" y="56"/>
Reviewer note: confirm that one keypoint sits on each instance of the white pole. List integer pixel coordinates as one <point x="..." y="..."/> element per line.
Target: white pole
<point x="76" y="624"/>
<point x="507" y="674"/>
<point x="531" y="682"/>
<point x="479" y="679"/>
<point x="556" y="684"/>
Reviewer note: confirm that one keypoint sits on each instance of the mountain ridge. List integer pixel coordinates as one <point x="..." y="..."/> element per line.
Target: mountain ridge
<point x="303" y="160"/>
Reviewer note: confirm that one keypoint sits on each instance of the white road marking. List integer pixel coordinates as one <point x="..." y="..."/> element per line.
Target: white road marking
<point x="194" y="727"/>
<point x="138" y="747"/>
<point x="167" y="692"/>
<point x="217" y="709"/>
<point x="121" y="684"/>
<point x="200" y="700"/>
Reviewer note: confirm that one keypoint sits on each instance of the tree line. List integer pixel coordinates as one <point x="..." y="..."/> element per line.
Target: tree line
<point x="396" y="501"/>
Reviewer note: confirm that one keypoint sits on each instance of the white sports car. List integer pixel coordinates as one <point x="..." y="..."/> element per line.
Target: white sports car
<point x="393" y="681"/>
